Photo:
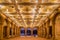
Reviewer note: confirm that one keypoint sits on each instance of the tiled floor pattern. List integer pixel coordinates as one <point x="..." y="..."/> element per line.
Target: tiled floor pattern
<point x="27" y="38"/>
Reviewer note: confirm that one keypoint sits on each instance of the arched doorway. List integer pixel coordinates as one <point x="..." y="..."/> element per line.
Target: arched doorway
<point x="22" y="32"/>
<point x="57" y="26"/>
<point x="35" y="31"/>
<point x="28" y="31"/>
<point x="5" y="27"/>
<point x="50" y="31"/>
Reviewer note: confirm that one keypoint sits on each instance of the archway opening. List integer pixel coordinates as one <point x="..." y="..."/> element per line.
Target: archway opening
<point x="10" y="31"/>
<point x="5" y="31"/>
<point x="35" y="31"/>
<point x="50" y="31"/>
<point x="22" y="32"/>
<point x="28" y="31"/>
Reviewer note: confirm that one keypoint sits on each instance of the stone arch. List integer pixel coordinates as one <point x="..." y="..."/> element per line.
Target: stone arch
<point x="29" y="31"/>
<point x="56" y="25"/>
<point x="35" y="31"/>
<point x="22" y="31"/>
<point x="5" y="29"/>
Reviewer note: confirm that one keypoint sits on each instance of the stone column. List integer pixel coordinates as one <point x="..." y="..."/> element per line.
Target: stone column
<point x="38" y="31"/>
<point x="18" y="31"/>
<point x="45" y="30"/>
<point x="1" y="31"/>
<point x="47" y="26"/>
<point x="1" y="27"/>
<point x="25" y="31"/>
<point x="12" y="25"/>
<point x="53" y="29"/>
<point x="15" y="30"/>
<point x="31" y="31"/>
<point x="8" y="29"/>
<point x="42" y="31"/>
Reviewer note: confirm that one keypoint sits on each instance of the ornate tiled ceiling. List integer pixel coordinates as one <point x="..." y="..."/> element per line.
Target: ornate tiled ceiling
<point x="28" y="13"/>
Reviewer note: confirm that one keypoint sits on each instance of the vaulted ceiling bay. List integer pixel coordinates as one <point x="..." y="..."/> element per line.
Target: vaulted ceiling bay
<point x="28" y="13"/>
